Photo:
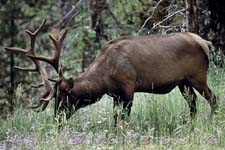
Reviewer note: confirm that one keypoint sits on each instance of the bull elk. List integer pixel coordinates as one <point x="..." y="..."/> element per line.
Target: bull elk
<point x="152" y="64"/>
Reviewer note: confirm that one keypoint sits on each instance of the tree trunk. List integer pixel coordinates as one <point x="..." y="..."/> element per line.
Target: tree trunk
<point x="217" y="23"/>
<point x="97" y="7"/>
<point x="192" y="7"/>
<point x="207" y="18"/>
<point x="12" y="62"/>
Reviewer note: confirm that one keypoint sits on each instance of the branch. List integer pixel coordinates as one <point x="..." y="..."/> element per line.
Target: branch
<point x="69" y="13"/>
<point x="114" y="17"/>
<point x="153" y="12"/>
<point x="168" y="17"/>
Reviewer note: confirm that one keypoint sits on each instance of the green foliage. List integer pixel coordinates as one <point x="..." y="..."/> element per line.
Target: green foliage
<point x="217" y="57"/>
<point x="18" y="96"/>
<point x="131" y="14"/>
<point x="80" y="44"/>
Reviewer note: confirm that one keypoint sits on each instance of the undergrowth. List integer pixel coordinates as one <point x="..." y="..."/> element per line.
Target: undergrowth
<point x="156" y="121"/>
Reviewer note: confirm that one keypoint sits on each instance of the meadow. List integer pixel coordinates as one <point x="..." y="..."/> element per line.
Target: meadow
<point x="156" y="122"/>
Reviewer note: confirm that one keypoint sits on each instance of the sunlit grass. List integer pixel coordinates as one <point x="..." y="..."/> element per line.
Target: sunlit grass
<point x="156" y="121"/>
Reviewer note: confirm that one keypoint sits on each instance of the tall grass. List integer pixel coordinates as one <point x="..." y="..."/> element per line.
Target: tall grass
<point x="156" y="121"/>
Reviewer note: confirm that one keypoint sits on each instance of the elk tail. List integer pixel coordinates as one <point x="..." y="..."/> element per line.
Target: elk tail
<point x="210" y="45"/>
<point x="205" y="45"/>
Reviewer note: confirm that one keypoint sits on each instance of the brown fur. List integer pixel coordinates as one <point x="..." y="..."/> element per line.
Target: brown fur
<point x="152" y="64"/>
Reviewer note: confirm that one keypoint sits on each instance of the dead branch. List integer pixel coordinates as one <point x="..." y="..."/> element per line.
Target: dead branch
<point x="70" y="13"/>
<point x="168" y="17"/>
<point x="153" y="12"/>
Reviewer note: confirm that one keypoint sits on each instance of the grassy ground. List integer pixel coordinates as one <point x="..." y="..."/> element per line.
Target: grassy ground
<point x="156" y="122"/>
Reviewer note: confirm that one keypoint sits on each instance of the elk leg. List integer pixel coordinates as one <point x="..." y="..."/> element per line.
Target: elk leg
<point x="126" y="108"/>
<point x="202" y="87"/>
<point x="205" y="91"/>
<point x="127" y="103"/>
<point x="116" y="109"/>
<point x="190" y="96"/>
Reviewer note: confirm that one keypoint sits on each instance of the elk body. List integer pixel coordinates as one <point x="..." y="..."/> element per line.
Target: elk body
<point x="152" y="64"/>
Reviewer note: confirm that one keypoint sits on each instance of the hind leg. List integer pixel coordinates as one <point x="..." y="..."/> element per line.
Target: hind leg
<point x="188" y="92"/>
<point x="205" y="91"/>
<point x="200" y="84"/>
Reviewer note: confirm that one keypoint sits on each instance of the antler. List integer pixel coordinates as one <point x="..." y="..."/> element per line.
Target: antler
<point x="38" y="68"/>
<point x="54" y="61"/>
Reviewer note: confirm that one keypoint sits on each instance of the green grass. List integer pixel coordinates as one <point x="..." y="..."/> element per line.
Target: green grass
<point x="156" y="122"/>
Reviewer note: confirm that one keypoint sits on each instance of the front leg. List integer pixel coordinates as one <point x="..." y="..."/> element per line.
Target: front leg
<point x="116" y="110"/>
<point x="127" y="99"/>
<point x="124" y="113"/>
<point x="126" y="109"/>
<point x="64" y="110"/>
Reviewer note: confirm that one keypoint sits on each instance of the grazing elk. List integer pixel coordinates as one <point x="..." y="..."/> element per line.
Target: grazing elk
<point x="152" y="64"/>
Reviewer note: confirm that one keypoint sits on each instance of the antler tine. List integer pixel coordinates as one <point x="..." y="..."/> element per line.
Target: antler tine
<point x="23" y="51"/>
<point x="54" y="61"/>
<point x="44" y="95"/>
<point x="37" y="86"/>
<point x="26" y="69"/>
<point x="38" y="29"/>
<point x="53" y="80"/>
<point x="51" y="61"/>
<point x="30" y="51"/>
<point x="50" y="96"/>
<point x="33" y="36"/>
<point x="44" y="106"/>
<point x="14" y="49"/>
<point x="40" y="103"/>
<point x="63" y="35"/>
<point x="36" y="106"/>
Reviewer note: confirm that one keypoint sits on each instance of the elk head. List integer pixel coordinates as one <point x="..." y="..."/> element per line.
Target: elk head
<point x="62" y="86"/>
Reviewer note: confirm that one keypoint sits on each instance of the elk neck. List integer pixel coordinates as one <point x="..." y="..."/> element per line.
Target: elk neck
<point x="89" y="86"/>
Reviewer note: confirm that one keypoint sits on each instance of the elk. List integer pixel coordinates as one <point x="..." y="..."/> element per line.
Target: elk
<point x="153" y="64"/>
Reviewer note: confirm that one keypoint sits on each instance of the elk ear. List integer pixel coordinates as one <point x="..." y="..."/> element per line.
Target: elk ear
<point x="70" y="82"/>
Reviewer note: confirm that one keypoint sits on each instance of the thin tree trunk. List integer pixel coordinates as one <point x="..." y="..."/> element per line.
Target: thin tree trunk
<point x="193" y="15"/>
<point x="12" y="62"/>
<point x="97" y="7"/>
